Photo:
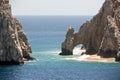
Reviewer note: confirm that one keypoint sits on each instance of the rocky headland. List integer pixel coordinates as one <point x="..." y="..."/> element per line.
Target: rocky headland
<point x="14" y="45"/>
<point x="99" y="36"/>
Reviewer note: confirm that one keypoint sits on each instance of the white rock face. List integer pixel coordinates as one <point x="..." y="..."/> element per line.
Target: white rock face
<point x="14" y="45"/>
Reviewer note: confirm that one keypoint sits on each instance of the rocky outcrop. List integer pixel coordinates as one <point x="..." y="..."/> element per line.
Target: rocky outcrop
<point x="67" y="45"/>
<point x="14" y="45"/>
<point x="100" y="35"/>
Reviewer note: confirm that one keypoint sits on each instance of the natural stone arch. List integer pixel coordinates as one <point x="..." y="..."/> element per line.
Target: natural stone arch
<point x="75" y="38"/>
<point x="100" y="35"/>
<point x="72" y="40"/>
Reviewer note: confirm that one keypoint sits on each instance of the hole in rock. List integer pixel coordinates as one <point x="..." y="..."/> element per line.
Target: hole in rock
<point x="79" y="49"/>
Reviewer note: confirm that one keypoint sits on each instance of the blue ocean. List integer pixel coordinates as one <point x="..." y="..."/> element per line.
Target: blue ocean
<point x="45" y="34"/>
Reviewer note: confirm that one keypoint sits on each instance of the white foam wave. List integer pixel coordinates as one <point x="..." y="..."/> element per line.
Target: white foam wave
<point x="78" y="51"/>
<point x="83" y="57"/>
<point x="80" y="58"/>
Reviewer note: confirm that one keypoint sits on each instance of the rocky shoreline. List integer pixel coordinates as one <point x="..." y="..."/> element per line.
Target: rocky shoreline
<point x="99" y="36"/>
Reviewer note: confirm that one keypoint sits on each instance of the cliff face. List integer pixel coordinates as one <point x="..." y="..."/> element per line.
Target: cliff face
<point x="14" y="45"/>
<point x="100" y="35"/>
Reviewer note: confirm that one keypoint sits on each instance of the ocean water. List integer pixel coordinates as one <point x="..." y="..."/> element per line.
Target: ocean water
<point x="45" y="33"/>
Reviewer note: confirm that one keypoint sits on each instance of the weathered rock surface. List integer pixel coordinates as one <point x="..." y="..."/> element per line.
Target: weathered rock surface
<point x="67" y="45"/>
<point x="14" y="45"/>
<point x="100" y="35"/>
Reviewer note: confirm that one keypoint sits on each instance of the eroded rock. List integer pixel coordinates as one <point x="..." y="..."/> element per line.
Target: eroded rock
<point x="67" y="45"/>
<point x="100" y="35"/>
<point x="14" y="45"/>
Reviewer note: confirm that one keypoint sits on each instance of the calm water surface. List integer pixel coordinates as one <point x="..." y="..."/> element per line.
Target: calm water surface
<point x="45" y="34"/>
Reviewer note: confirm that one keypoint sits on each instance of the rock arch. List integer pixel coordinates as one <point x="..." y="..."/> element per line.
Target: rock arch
<point x="100" y="35"/>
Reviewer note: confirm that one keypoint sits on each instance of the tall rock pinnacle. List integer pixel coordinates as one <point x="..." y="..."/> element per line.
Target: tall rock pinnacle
<point x="14" y="45"/>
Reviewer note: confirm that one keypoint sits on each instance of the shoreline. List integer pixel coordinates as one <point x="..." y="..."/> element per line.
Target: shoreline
<point x="89" y="58"/>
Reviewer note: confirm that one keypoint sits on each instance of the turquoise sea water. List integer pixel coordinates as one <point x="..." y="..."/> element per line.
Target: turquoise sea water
<point x="45" y="34"/>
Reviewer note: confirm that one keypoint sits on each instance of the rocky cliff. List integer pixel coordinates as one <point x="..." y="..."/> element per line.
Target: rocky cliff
<point x="100" y="35"/>
<point x="14" y="45"/>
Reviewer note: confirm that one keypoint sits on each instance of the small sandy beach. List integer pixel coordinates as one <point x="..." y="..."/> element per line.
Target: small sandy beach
<point x="84" y="57"/>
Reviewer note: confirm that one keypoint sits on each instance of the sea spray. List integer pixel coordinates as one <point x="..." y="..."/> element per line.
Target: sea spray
<point x="79" y="58"/>
<point x="78" y="51"/>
